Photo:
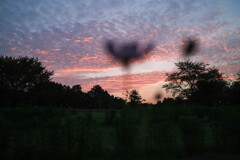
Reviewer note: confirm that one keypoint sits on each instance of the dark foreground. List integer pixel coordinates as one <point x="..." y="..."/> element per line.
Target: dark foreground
<point x="183" y="133"/>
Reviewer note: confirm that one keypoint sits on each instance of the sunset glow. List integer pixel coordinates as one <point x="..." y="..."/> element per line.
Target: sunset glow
<point x="69" y="36"/>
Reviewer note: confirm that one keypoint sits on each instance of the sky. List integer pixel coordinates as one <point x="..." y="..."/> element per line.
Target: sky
<point x="68" y="36"/>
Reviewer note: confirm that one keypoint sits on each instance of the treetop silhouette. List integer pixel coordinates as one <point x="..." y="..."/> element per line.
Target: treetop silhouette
<point x="183" y="83"/>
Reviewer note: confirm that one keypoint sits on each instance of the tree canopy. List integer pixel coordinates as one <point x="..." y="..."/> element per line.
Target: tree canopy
<point x="183" y="82"/>
<point x="21" y="74"/>
<point x="133" y="97"/>
<point x="195" y="80"/>
<point x="24" y="81"/>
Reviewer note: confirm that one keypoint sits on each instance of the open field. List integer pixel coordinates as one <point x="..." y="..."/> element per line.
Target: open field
<point x="194" y="132"/>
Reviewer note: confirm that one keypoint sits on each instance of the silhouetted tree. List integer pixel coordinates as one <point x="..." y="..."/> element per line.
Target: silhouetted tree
<point x="169" y="101"/>
<point x="77" y="88"/>
<point x="235" y="90"/>
<point x="100" y="98"/>
<point x="185" y="81"/>
<point x="19" y="75"/>
<point x="77" y="96"/>
<point x="209" y="92"/>
<point x="158" y="104"/>
<point x="118" y="102"/>
<point x="134" y="97"/>
<point x="51" y="93"/>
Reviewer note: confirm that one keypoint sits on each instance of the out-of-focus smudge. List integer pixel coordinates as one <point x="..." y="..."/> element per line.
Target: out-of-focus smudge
<point x="128" y="52"/>
<point x="190" y="46"/>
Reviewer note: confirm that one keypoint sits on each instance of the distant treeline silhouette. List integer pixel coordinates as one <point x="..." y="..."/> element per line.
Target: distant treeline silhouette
<point x="25" y="82"/>
<point x="195" y="83"/>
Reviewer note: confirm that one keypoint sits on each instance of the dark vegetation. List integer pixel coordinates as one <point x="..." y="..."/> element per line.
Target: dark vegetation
<point x="196" y="83"/>
<point x="131" y="133"/>
<point x="202" y="121"/>
<point x="25" y="82"/>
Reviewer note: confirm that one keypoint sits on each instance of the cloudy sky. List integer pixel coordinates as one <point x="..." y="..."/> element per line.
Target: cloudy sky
<point x="68" y="37"/>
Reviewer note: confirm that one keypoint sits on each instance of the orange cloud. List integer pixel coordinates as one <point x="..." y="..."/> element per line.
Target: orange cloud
<point x="87" y="58"/>
<point x="14" y="48"/>
<point x="57" y="49"/>
<point x="46" y="61"/>
<point x="77" y="41"/>
<point x="88" y="40"/>
<point x="118" y="84"/>
<point x="74" y="70"/>
<point x="39" y="51"/>
<point x="226" y="49"/>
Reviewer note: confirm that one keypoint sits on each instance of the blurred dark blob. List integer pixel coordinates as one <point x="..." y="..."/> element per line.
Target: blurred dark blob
<point x="128" y="52"/>
<point x="190" y="46"/>
<point x="158" y="96"/>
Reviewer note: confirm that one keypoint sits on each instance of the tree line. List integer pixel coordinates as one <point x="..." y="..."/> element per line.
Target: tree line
<point x="25" y="81"/>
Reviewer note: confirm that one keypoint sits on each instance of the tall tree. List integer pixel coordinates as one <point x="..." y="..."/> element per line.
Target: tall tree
<point x="19" y="75"/>
<point x="134" y="97"/>
<point x="184" y="82"/>
<point x="76" y="99"/>
<point x="49" y="93"/>
<point x="235" y="90"/>
<point x="100" y="98"/>
<point x="210" y="92"/>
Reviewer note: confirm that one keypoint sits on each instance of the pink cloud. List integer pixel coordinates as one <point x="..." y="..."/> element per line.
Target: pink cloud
<point x="14" y="48"/>
<point x="39" y="51"/>
<point x="57" y="49"/>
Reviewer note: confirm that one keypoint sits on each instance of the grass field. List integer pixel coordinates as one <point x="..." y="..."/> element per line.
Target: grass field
<point x="184" y="133"/>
